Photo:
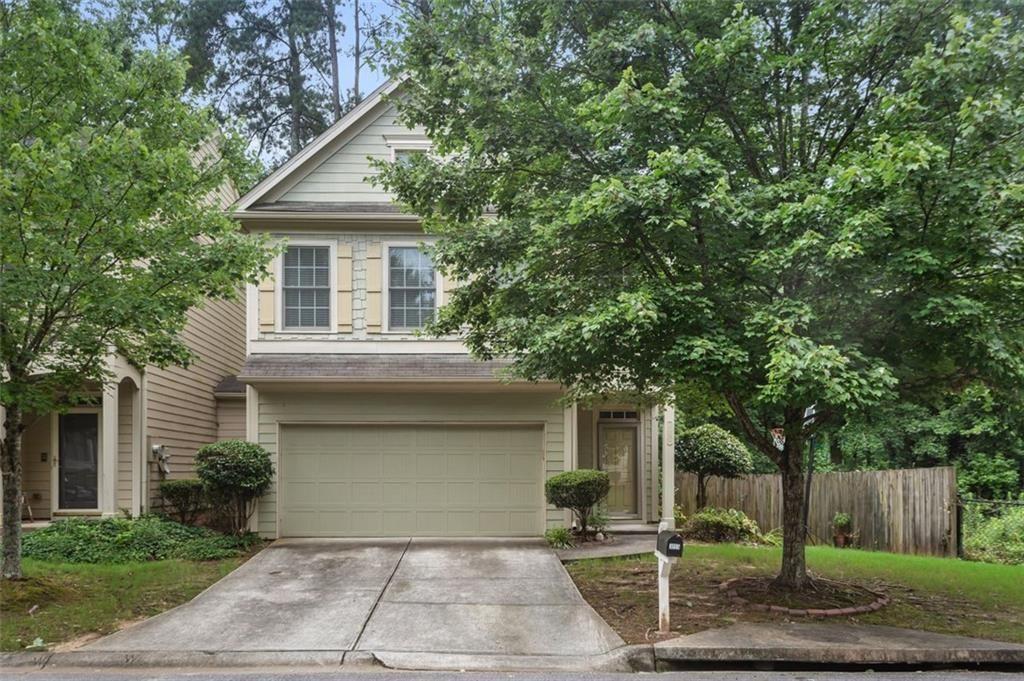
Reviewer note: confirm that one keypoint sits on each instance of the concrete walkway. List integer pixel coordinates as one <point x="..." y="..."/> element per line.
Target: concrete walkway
<point x="621" y="545"/>
<point x="398" y="599"/>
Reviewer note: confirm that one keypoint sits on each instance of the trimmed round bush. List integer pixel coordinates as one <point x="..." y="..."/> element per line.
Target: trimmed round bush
<point x="236" y="473"/>
<point x="711" y="451"/>
<point x="579" y="491"/>
<point x="720" y="525"/>
<point x="184" y="500"/>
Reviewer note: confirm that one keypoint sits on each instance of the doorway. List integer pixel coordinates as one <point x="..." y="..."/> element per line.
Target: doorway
<point x="78" y="451"/>
<point x="617" y="455"/>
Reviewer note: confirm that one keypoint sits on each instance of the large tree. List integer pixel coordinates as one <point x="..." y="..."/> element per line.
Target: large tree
<point x="108" y="230"/>
<point x="795" y="203"/>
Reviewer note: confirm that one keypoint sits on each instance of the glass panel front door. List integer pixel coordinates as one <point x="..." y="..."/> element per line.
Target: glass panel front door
<point x="618" y="459"/>
<point x="78" y="461"/>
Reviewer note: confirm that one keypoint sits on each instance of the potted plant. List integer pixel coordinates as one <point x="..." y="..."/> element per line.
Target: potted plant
<point x="842" y="530"/>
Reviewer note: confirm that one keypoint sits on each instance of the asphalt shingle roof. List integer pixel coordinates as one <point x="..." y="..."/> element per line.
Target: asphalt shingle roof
<point x="411" y="367"/>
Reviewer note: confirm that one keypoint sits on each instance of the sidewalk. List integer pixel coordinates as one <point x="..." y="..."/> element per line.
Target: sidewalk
<point x="739" y="646"/>
<point x="832" y="644"/>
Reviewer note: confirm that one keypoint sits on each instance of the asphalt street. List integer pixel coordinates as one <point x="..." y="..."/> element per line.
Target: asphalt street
<point x="386" y="675"/>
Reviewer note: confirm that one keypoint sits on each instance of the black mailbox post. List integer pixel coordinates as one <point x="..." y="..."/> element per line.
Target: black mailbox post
<point x="670" y="544"/>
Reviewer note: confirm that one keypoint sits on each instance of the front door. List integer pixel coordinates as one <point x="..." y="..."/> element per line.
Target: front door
<point x="78" y="461"/>
<point x="618" y="457"/>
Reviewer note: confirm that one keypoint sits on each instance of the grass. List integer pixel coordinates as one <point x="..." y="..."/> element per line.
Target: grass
<point x="932" y="594"/>
<point x="59" y="603"/>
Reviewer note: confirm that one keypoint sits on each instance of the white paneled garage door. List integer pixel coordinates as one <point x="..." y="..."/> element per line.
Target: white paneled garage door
<point x="411" y="480"/>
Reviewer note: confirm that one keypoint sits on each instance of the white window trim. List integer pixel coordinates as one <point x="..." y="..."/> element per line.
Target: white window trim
<point x="332" y="284"/>
<point x="398" y="143"/>
<point x="385" y="274"/>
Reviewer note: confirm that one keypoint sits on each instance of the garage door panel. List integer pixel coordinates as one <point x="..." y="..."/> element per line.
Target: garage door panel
<point x="330" y="465"/>
<point x="445" y="480"/>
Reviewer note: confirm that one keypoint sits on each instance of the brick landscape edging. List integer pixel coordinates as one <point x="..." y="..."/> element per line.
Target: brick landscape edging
<point x="881" y="600"/>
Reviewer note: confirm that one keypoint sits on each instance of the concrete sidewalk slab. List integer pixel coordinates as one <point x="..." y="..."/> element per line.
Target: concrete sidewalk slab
<point x="623" y="545"/>
<point x="832" y="643"/>
<point x="292" y="596"/>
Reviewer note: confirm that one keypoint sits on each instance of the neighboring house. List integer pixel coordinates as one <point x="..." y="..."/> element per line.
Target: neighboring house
<point x="376" y="430"/>
<point x="109" y="457"/>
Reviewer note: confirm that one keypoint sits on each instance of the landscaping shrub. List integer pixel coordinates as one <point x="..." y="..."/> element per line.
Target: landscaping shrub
<point x="994" y="538"/>
<point x="720" y="525"/>
<point x="711" y="451"/>
<point x="123" y="540"/>
<point x="184" y="500"/>
<point x="559" y="538"/>
<point x="236" y="473"/>
<point x="578" y="491"/>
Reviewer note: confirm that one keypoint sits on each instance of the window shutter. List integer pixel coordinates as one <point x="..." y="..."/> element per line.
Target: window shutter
<point x="374" y="278"/>
<point x="267" y="306"/>
<point x="448" y="284"/>
<point x="344" y="288"/>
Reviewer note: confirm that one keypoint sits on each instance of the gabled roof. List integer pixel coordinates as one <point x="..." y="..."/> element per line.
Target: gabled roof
<point x="304" y="162"/>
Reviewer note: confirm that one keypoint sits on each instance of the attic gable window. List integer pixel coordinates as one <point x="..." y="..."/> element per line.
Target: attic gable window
<point x="406" y="147"/>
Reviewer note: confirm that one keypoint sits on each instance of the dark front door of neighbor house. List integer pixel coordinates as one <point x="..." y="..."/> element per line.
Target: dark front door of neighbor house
<point x="78" y="461"/>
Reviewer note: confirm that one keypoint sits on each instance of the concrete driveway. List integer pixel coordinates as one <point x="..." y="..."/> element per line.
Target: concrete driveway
<point x="385" y="596"/>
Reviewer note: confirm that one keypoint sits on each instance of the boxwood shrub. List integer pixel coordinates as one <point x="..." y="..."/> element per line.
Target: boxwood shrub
<point x="580" y="491"/>
<point x="184" y="500"/>
<point x="720" y="525"/>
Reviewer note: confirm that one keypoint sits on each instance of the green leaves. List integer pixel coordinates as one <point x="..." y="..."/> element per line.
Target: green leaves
<point x="111" y="195"/>
<point x="793" y="205"/>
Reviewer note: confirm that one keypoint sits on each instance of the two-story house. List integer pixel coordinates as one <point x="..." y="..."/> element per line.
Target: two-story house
<point x="376" y="429"/>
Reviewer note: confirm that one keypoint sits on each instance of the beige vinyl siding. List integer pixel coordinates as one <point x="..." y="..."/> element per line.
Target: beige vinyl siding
<point x="409" y="407"/>
<point x="35" y="480"/>
<point x="341" y="176"/>
<point x="231" y="418"/>
<point x="181" y="407"/>
<point x="125" y="424"/>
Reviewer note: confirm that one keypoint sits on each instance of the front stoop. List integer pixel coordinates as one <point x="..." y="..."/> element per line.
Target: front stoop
<point x="831" y="644"/>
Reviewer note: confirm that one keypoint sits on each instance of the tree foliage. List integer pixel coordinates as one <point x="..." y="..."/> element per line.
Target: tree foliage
<point x="711" y="451"/>
<point x="108" y="228"/>
<point x="796" y="203"/>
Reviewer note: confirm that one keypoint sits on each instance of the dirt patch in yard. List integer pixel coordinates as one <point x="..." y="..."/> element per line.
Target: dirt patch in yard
<point x="821" y="594"/>
<point x="625" y="593"/>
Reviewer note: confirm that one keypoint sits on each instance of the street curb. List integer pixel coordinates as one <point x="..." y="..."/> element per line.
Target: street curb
<point x="635" y="658"/>
<point x="623" y="659"/>
<point x="12" y="660"/>
<point x="666" y="656"/>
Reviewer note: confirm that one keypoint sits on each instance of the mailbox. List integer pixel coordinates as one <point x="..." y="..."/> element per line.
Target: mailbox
<point x="670" y="544"/>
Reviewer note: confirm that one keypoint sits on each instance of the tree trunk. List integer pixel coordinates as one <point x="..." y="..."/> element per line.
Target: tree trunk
<point x="332" y="44"/>
<point x="10" y="466"/>
<point x="357" y="55"/>
<point x="295" y="86"/>
<point x="793" y="574"/>
<point x="702" y="492"/>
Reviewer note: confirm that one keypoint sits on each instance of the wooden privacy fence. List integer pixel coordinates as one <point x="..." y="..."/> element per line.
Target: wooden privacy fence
<point x="909" y="510"/>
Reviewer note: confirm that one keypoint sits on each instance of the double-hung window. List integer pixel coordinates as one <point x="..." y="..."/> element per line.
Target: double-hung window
<point x="412" y="288"/>
<point x="307" y="289"/>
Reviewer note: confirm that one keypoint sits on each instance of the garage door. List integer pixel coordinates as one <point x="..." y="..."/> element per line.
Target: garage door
<point x="411" y="480"/>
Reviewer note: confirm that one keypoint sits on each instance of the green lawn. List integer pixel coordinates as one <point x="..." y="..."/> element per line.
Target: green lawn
<point x="76" y="600"/>
<point x="935" y="594"/>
